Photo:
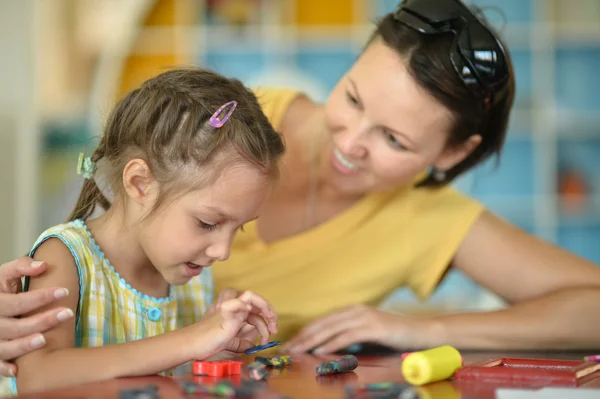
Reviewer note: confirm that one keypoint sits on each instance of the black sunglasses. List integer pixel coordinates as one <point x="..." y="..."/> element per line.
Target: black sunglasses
<point x="476" y="54"/>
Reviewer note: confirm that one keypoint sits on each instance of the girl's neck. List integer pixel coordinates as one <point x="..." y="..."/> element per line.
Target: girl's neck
<point x="117" y="237"/>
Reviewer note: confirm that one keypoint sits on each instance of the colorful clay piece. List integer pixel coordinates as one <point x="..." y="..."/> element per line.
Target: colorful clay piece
<point x="226" y="389"/>
<point x="259" y="348"/>
<point x="217" y="368"/>
<point x="147" y="392"/>
<point x="274" y="361"/>
<point x="258" y="371"/>
<point x="344" y="364"/>
<point x="379" y="390"/>
<point x="592" y="358"/>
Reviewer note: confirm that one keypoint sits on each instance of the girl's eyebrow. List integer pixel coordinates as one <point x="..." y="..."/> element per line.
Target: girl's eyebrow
<point x="219" y="212"/>
<point x="222" y="213"/>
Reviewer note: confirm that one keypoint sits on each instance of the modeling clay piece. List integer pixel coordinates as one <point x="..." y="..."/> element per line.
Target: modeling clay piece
<point x="259" y="348"/>
<point x="226" y="389"/>
<point x="344" y="364"/>
<point x="258" y="371"/>
<point x="274" y="361"/>
<point x="379" y="390"/>
<point x="437" y="364"/>
<point x="148" y="392"/>
<point x="217" y="368"/>
<point x="592" y="358"/>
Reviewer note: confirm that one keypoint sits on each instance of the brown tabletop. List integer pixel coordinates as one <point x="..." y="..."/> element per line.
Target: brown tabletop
<point x="300" y="381"/>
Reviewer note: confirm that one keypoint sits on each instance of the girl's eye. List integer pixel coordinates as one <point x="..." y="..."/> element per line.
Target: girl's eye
<point x="207" y="226"/>
<point x="393" y="141"/>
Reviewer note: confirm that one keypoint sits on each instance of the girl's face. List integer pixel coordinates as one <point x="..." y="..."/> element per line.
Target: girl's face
<point x="197" y="229"/>
<point x="385" y="129"/>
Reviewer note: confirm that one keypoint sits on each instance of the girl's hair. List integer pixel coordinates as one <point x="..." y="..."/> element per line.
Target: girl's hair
<point x="428" y="60"/>
<point x="165" y="122"/>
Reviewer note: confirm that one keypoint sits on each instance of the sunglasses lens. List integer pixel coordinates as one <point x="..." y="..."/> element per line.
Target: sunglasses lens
<point x="476" y="54"/>
<point x="482" y="57"/>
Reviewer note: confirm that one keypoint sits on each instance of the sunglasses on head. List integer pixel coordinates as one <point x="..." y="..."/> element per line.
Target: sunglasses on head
<point x="476" y="54"/>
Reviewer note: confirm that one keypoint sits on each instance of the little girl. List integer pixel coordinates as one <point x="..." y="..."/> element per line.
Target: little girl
<point x="188" y="158"/>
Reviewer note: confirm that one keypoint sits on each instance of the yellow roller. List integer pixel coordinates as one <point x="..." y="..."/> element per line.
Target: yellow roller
<point x="437" y="364"/>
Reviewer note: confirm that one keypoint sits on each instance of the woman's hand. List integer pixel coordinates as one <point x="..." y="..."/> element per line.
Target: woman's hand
<point x="358" y="324"/>
<point x="19" y="336"/>
<point x="237" y="321"/>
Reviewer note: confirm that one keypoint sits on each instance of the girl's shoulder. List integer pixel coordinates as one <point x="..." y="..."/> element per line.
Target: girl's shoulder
<point x="71" y="231"/>
<point x="73" y="235"/>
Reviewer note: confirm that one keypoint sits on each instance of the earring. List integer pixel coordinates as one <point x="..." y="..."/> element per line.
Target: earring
<point x="439" y="175"/>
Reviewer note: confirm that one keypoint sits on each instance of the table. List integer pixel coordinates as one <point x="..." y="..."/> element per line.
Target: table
<point x="300" y="381"/>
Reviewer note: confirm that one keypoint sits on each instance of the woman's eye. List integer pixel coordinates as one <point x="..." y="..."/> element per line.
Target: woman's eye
<point x="351" y="98"/>
<point x="393" y="141"/>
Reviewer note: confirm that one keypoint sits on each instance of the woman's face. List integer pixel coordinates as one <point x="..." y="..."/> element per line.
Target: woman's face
<point x="385" y="129"/>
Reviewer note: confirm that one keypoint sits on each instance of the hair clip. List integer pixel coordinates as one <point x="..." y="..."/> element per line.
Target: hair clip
<point x="85" y="166"/>
<point x="215" y="121"/>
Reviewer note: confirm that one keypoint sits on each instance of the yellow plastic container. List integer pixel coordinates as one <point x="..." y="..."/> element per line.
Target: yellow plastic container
<point x="437" y="364"/>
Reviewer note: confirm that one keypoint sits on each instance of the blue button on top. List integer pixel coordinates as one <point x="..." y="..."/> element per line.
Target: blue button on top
<point x="154" y="314"/>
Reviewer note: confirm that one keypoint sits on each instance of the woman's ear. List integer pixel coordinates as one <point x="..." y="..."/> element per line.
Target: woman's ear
<point x="454" y="155"/>
<point x="139" y="182"/>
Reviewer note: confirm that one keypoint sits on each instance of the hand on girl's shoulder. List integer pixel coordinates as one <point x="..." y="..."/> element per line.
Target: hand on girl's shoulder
<point x="58" y="257"/>
<point x="61" y="272"/>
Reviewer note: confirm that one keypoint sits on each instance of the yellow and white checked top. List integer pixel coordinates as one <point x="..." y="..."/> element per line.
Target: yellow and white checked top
<point x="110" y="311"/>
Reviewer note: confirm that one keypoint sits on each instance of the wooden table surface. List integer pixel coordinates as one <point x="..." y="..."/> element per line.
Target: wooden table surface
<point x="300" y="381"/>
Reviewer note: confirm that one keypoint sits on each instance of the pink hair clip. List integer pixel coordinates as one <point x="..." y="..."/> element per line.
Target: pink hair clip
<point x="215" y="121"/>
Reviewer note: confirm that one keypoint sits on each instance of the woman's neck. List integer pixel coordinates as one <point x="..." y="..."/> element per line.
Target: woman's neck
<point x="304" y="196"/>
<point x="118" y="238"/>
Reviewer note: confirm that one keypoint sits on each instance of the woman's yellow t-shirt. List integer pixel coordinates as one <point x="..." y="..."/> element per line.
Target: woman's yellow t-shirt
<point x="403" y="237"/>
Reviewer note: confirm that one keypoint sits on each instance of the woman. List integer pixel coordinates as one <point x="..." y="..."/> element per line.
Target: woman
<point x="364" y="204"/>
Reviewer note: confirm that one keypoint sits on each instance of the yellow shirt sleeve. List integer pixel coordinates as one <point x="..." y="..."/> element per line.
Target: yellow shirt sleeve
<point x="442" y="217"/>
<point x="275" y="102"/>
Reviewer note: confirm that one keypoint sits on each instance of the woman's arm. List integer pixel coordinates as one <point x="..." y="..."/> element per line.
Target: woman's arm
<point x="60" y="364"/>
<point x="553" y="293"/>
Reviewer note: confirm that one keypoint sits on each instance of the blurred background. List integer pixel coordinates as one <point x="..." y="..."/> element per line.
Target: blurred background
<point x="65" y="62"/>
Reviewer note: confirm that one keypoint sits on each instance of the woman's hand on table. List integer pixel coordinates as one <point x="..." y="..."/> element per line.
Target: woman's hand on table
<point x="359" y="323"/>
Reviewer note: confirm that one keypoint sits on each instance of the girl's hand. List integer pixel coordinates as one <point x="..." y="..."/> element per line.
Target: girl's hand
<point x="227" y="293"/>
<point x="358" y="324"/>
<point x="237" y="321"/>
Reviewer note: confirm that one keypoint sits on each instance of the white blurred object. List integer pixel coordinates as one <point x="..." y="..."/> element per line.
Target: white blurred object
<point x="548" y="393"/>
<point x="112" y="57"/>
